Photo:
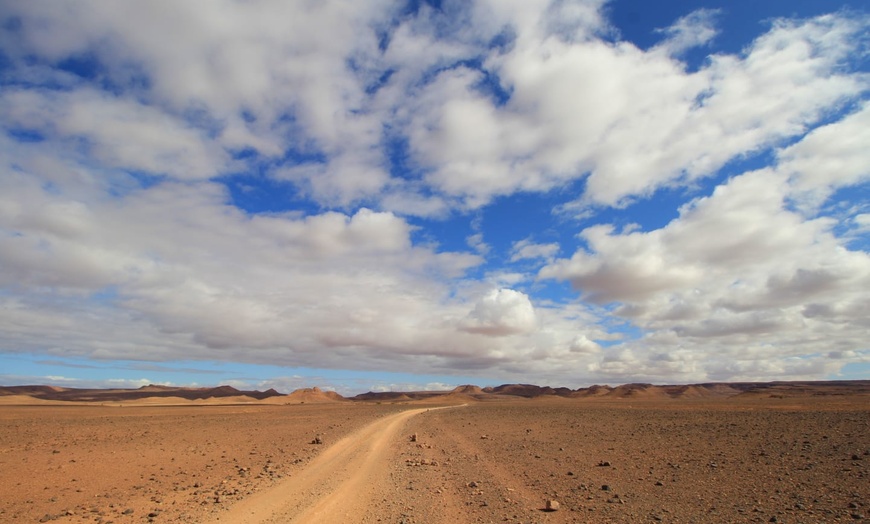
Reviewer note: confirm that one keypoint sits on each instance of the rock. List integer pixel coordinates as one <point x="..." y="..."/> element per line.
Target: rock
<point x="317" y="440"/>
<point x="414" y="437"/>
<point x="605" y="487"/>
<point x="604" y="464"/>
<point x="472" y="484"/>
<point x="551" y="505"/>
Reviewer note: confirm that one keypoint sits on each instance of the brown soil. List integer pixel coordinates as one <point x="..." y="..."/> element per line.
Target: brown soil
<point x="762" y="458"/>
<point x="179" y="464"/>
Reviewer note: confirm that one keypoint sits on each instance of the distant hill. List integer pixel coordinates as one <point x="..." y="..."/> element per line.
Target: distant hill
<point x="396" y="396"/>
<point x="312" y="395"/>
<point x="121" y="395"/>
<point x="528" y="390"/>
<point x="155" y="394"/>
<point x="635" y="391"/>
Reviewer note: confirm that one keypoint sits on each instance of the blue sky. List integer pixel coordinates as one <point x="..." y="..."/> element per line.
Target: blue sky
<point x="377" y="195"/>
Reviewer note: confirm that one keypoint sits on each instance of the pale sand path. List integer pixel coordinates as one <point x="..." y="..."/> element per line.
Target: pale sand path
<point x="338" y="485"/>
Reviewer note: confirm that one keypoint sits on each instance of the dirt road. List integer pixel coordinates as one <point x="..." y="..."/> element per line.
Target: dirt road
<point x="795" y="459"/>
<point x="337" y="486"/>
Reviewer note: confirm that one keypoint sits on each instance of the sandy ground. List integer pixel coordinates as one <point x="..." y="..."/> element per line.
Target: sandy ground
<point x="749" y="460"/>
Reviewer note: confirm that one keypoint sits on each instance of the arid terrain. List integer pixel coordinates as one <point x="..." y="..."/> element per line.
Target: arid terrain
<point x="780" y="452"/>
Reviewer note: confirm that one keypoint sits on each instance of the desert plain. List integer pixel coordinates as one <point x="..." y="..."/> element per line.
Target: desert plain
<point x="785" y="453"/>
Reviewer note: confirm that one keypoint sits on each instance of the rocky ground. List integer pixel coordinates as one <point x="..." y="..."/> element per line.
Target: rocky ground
<point x="758" y="461"/>
<point x="156" y="464"/>
<point x="764" y="459"/>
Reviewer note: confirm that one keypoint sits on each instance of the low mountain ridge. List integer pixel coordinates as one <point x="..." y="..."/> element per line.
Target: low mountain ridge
<point x="120" y="395"/>
<point x="464" y="393"/>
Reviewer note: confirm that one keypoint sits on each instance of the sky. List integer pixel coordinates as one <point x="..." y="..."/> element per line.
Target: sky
<point x="416" y="195"/>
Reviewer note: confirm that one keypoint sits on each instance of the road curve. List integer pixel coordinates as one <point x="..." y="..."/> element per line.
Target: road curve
<point x="336" y="486"/>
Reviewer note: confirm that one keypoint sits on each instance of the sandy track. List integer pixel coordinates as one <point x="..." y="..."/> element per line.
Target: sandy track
<point x="336" y="486"/>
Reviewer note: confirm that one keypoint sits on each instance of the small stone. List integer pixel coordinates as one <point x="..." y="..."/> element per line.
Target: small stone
<point x="472" y="484"/>
<point x="414" y="437"/>
<point x="605" y="487"/>
<point x="128" y="511"/>
<point x="773" y="519"/>
<point x="552" y="505"/>
<point x="604" y="464"/>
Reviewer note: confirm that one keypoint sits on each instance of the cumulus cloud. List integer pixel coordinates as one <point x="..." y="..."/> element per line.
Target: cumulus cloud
<point x="502" y="312"/>
<point x="692" y="30"/>
<point x="661" y="125"/>
<point x="126" y="126"/>
<point x="738" y="268"/>
<point x="526" y="249"/>
<point x="320" y="90"/>
<point x="828" y="158"/>
<point x="112" y="132"/>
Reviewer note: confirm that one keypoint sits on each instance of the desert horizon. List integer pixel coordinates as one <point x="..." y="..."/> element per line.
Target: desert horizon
<point x="434" y="262"/>
<point x="636" y="453"/>
<point x="152" y="393"/>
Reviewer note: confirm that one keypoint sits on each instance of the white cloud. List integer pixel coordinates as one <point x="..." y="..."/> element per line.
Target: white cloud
<point x="692" y="30"/>
<point x="251" y="75"/>
<point x="476" y="242"/>
<point x="660" y="126"/>
<point x="120" y="239"/>
<point x="736" y="270"/>
<point x="526" y="249"/>
<point x="582" y="344"/>
<point x="502" y="312"/>
<point x="311" y="81"/>
<point x="116" y="133"/>
<point x="828" y="158"/>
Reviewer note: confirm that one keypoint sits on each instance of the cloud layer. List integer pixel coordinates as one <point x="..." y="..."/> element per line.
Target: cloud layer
<point x="132" y="133"/>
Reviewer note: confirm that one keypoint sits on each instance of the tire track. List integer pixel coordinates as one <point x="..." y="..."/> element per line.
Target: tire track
<point x="337" y="486"/>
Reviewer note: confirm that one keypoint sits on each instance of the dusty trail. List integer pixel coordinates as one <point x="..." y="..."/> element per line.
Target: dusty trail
<point x="337" y="486"/>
